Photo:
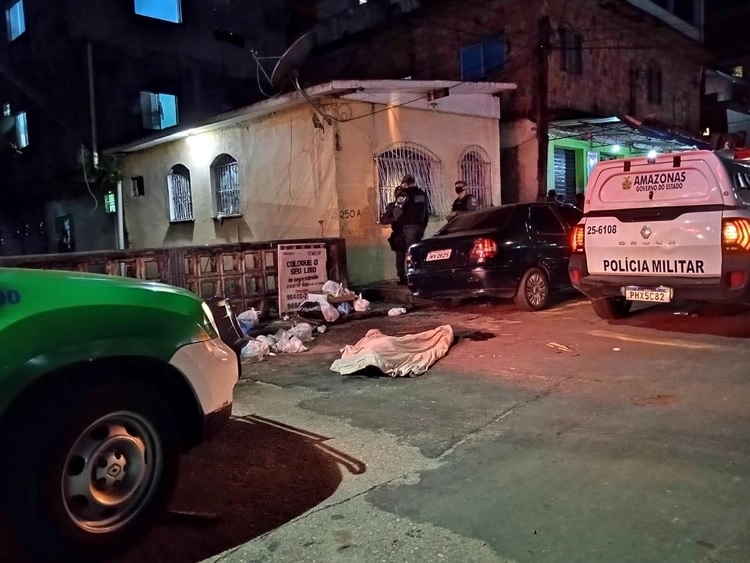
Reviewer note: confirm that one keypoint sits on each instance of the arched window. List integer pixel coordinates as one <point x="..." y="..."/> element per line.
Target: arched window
<point x="180" y="194"/>
<point x="393" y="164"/>
<point x="475" y="169"/>
<point x="226" y="185"/>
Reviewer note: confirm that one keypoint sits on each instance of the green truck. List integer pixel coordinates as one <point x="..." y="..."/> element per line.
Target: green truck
<point x="104" y="383"/>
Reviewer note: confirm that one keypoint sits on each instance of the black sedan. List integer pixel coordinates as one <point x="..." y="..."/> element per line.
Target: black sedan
<point x="520" y="251"/>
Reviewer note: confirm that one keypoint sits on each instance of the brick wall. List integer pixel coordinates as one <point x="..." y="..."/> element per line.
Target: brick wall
<point x="426" y="44"/>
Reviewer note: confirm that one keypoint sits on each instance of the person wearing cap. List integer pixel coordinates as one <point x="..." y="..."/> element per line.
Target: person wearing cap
<point x="464" y="203"/>
<point x="392" y="216"/>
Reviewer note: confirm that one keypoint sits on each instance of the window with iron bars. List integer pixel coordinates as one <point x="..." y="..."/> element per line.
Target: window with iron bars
<point x="226" y="180"/>
<point x="180" y="194"/>
<point x="476" y="170"/>
<point x="393" y="164"/>
<point x="571" y="51"/>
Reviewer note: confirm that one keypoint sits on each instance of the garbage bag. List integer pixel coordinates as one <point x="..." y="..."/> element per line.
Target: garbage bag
<point x="303" y="331"/>
<point x="345" y="308"/>
<point x="361" y="305"/>
<point x="254" y="350"/>
<point x="330" y="313"/>
<point x="290" y="344"/>
<point x="250" y="316"/>
<point x="333" y="288"/>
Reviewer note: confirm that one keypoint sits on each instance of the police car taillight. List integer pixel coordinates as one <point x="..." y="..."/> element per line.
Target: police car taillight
<point x="735" y="233"/>
<point x="577" y="239"/>
<point x="483" y="249"/>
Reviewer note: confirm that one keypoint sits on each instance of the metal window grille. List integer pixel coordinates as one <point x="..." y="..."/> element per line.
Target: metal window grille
<point x="476" y="170"/>
<point x="392" y="165"/>
<point x="571" y="51"/>
<point x="180" y="194"/>
<point x="226" y="185"/>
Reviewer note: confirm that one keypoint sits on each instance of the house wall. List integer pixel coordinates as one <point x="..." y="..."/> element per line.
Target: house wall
<point x="286" y="169"/>
<point x="303" y="178"/>
<point x="372" y="131"/>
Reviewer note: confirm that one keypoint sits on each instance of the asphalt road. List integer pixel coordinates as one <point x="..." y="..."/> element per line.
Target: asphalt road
<point x="544" y="437"/>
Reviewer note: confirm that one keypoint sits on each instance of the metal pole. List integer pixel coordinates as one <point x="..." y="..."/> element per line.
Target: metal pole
<point x="92" y="105"/>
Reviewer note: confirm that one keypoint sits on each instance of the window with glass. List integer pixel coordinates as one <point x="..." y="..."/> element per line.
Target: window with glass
<point x="166" y="10"/>
<point x="15" y="20"/>
<point x="159" y="111"/>
<point x="22" y="131"/>
<point x="480" y="59"/>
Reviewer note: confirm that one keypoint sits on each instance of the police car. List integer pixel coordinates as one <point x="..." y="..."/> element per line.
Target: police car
<point x="666" y="227"/>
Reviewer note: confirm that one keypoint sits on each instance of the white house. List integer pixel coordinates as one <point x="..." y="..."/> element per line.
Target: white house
<point x="322" y="164"/>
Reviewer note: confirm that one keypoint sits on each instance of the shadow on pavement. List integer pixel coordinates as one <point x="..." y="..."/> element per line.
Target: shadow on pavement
<point x="255" y="476"/>
<point x="731" y="321"/>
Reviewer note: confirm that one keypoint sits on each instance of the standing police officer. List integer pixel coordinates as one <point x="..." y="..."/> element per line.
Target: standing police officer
<point x="464" y="203"/>
<point x="416" y="211"/>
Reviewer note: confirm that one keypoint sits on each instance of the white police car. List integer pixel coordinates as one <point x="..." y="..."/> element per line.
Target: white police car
<point x="676" y="226"/>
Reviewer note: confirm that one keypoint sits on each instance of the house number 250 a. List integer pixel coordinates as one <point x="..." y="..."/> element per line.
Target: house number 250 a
<point x="9" y="297"/>
<point x="350" y="213"/>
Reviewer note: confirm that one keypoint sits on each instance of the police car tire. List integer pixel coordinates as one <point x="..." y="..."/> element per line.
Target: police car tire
<point x="611" y="308"/>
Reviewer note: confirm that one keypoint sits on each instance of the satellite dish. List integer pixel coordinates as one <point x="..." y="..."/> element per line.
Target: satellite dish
<point x="293" y="58"/>
<point x="7" y="122"/>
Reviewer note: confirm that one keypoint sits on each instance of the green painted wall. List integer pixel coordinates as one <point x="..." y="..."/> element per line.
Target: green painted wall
<point x="582" y="149"/>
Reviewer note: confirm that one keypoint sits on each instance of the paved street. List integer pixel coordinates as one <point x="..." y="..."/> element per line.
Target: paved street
<point x="544" y="437"/>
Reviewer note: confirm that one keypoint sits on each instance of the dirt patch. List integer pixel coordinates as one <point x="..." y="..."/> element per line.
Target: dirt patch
<point x="657" y="400"/>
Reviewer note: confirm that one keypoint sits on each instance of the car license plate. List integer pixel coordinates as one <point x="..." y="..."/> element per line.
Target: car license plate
<point x="438" y="255"/>
<point x="649" y="294"/>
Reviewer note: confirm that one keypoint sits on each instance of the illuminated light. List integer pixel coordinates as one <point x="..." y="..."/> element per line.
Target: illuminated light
<point x="202" y="148"/>
<point x="735" y="233"/>
<point x="616" y="148"/>
<point x="707" y="132"/>
<point x="483" y="249"/>
<point x="742" y="154"/>
<point x="575" y="275"/>
<point x="652" y="154"/>
<point x="577" y="239"/>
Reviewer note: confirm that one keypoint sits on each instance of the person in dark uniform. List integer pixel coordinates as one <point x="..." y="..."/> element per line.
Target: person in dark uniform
<point x="392" y="216"/>
<point x="416" y="211"/>
<point x="464" y="203"/>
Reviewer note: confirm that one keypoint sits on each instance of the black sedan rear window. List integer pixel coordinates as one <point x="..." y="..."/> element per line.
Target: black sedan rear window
<point x="486" y="219"/>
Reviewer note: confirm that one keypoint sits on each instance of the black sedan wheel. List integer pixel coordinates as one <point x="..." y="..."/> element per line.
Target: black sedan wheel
<point x="533" y="291"/>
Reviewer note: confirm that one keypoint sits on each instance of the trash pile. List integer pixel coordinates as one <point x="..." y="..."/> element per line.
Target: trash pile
<point x="290" y="341"/>
<point x="333" y="304"/>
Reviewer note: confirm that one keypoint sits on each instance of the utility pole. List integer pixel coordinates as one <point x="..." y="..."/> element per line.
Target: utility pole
<point x="542" y="105"/>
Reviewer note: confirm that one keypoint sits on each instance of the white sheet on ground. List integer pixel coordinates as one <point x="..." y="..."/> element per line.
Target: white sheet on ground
<point x="397" y="356"/>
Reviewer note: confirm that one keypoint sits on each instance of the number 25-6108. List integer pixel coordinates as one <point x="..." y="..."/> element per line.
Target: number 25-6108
<point x="601" y="229"/>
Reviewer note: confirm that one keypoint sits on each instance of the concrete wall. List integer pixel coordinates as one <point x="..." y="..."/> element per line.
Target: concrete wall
<point x="307" y="181"/>
<point x="518" y="140"/>
<point x="286" y="169"/>
<point x="363" y="138"/>
<point x="93" y="228"/>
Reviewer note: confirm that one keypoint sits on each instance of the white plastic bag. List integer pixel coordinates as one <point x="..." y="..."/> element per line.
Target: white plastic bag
<point x="333" y="288"/>
<point x="330" y="313"/>
<point x="290" y="344"/>
<point x="396" y="311"/>
<point x="303" y="331"/>
<point x="267" y="339"/>
<point x="254" y="350"/>
<point x="361" y="305"/>
<point x="251" y="316"/>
